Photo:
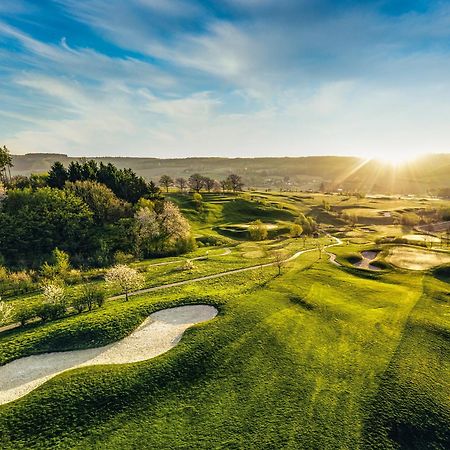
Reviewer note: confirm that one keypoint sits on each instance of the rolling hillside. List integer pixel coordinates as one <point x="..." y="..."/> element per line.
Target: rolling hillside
<point x="427" y="175"/>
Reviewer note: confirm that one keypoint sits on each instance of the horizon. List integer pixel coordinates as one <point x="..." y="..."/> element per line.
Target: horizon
<point x="179" y="78"/>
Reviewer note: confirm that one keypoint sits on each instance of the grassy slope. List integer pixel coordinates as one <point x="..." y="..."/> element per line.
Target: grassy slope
<point x="305" y="361"/>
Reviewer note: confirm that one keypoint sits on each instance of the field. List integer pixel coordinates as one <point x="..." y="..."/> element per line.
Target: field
<point x="307" y="355"/>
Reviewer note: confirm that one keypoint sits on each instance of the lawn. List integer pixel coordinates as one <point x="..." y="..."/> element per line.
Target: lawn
<point x="320" y="357"/>
<point x="304" y="360"/>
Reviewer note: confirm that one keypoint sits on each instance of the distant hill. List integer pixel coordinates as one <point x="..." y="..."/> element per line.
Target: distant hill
<point x="429" y="174"/>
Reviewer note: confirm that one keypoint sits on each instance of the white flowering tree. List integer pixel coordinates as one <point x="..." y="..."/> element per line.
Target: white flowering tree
<point x="125" y="278"/>
<point x="160" y="229"/>
<point x="54" y="293"/>
<point x="6" y="312"/>
<point x="54" y="304"/>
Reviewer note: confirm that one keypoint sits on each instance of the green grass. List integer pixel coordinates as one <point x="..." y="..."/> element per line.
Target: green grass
<point x="297" y="361"/>
<point x="321" y="357"/>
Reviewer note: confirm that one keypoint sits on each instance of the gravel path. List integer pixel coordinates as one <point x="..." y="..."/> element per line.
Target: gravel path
<point x="160" y="332"/>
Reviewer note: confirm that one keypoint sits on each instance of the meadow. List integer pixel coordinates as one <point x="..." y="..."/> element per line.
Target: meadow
<point x="319" y="356"/>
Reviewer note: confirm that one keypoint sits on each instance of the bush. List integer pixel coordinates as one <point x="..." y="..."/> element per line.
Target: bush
<point x="188" y="265"/>
<point x="3" y="273"/>
<point x="90" y="297"/>
<point x="50" y="311"/>
<point x="258" y="231"/>
<point x="24" y="314"/>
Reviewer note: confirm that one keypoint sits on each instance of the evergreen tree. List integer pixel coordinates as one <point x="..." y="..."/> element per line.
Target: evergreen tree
<point x="57" y="176"/>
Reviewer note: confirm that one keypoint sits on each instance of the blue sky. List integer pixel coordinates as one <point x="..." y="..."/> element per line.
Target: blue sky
<point x="176" y="78"/>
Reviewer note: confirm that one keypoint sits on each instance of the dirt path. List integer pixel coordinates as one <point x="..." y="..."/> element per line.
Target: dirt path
<point x="333" y="259"/>
<point x="160" y="332"/>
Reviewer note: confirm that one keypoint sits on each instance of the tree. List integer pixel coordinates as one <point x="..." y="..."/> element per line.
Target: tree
<point x="74" y="172"/>
<point x="162" y="230"/>
<point x="296" y="230"/>
<point x="57" y="176"/>
<point x="225" y="185"/>
<point x="258" y="231"/>
<point x="279" y="260"/>
<point x="33" y="223"/>
<point x="5" y="164"/>
<point x="196" y="182"/>
<point x="61" y="267"/>
<point x="198" y="201"/>
<point x="181" y="183"/>
<point x="125" y="278"/>
<point x="54" y="304"/>
<point x="102" y="201"/>
<point x="320" y="248"/>
<point x="209" y="183"/>
<point x="90" y="296"/>
<point x="6" y="312"/>
<point x="235" y="182"/>
<point x="166" y="181"/>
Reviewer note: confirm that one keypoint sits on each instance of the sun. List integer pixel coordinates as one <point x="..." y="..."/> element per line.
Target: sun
<point x="395" y="159"/>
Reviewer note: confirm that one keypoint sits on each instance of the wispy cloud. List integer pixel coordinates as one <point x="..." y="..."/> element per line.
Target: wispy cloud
<point x="183" y="78"/>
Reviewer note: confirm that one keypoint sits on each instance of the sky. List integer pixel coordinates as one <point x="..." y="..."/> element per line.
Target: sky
<point x="237" y="78"/>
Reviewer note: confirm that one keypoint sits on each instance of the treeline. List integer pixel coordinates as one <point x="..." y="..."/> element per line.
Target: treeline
<point x="90" y="211"/>
<point x="197" y="182"/>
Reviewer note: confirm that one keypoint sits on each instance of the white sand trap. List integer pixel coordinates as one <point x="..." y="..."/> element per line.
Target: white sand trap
<point x="160" y="332"/>
<point x="416" y="259"/>
<point x="421" y="238"/>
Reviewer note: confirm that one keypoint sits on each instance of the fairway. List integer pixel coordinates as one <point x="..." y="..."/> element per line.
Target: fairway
<point x="415" y="258"/>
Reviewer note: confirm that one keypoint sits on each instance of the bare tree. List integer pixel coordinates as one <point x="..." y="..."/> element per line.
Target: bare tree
<point x="235" y="182"/>
<point x="319" y="246"/>
<point x="209" y="183"/>
<point x="196" y="182"/>
<point x="279" y="260"/>
<point x="166" y="181"/>
<point x="181" y="183"/>
<point x="225" y="185"/>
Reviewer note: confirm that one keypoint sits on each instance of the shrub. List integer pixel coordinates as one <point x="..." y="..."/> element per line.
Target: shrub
<point x="258" y="231"/>
<point x="296" y="230"/>
<point x="25" y="314"/>
<point x="3" y="273"/>
<point x="188" y="266"/>
<point x="91" y="296"/>
<point x="122" y="257"/>
<point x="50" y="311"/>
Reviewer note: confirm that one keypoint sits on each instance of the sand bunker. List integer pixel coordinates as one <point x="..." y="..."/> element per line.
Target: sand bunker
<point x="416" y="259"/>
<point x="160" y="332"/>
<point x="421" y="238"/>
<point x="368" y="256"/>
